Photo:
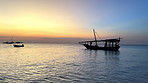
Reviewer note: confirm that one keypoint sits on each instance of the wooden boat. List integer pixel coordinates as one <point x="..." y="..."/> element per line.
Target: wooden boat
<point x="17" y="45"/>
<point x="109" y="44"/>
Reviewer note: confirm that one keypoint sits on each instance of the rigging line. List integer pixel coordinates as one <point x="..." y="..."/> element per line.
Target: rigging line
<point x="98" y="35"/>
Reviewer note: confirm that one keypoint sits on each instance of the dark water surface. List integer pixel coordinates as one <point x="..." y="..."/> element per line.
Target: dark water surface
<point x="72" y="63"/>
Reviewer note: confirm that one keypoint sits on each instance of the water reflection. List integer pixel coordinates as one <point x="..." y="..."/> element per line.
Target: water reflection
<point x="103" y="64"/>
<point x="109" y="55"/>
<point x="69" y="63"/>
<point x="112" y="55"/>
<point x="116" y="53"/>
<point x="93" y="54"/>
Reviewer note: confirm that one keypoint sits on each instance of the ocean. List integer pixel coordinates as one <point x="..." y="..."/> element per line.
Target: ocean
<point x="72" y="63"/>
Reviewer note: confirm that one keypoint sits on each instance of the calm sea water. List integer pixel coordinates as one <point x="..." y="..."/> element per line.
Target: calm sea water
<point x="72" y="63"/>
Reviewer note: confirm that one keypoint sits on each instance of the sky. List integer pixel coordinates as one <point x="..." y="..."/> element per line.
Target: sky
<point x="46" y="20"/>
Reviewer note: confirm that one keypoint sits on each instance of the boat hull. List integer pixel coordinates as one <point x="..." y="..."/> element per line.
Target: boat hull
<point x="8" y="42"/>
<point x="101" y="48"/>
<point x="18" y="45"/>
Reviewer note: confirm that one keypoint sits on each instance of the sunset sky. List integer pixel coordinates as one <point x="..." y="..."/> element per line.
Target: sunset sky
<point x="46" y="19"/>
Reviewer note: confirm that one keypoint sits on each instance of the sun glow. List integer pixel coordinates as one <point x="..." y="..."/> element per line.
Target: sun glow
<point x="24" y="18"/>
<point x="37" y="20"/>
<point x="40" y="27"/>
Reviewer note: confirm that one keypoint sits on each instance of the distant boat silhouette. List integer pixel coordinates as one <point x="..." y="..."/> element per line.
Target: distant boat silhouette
<point x="110" y="44"/>
<point x="9" y="42"/>
<point x="18" y="45"/>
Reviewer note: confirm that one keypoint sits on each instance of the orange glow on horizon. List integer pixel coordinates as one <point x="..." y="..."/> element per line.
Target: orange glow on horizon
<point x="35" y="20"/>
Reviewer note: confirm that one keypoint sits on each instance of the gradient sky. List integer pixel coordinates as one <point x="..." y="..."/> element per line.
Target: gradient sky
<point x="75" y="19"/>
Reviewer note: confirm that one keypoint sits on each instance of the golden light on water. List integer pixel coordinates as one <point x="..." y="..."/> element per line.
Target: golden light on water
<point x="27" y="55"/>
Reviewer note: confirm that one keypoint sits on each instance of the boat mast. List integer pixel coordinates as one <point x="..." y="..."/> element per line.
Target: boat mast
<point x="11" y="38"/>
<point x="95" y="36"/>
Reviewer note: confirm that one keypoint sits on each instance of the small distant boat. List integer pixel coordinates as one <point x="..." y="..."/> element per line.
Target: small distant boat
<point x="9" y="42"/>
<point x="109" y="44"/>
<point x="18" y="44"/>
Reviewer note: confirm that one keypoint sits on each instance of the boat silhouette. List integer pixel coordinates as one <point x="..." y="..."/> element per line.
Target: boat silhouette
<point x="22" y="45"/>
<point x="9" y="42"/>
<point x="18" y="44"/>
<point x="109" y="44"/>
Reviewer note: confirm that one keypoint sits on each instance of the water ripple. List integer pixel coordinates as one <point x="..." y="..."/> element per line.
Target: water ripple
<point x="59" y="63"/>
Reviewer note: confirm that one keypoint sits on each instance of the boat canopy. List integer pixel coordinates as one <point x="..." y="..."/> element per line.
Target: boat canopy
<point x="106" y="40"/>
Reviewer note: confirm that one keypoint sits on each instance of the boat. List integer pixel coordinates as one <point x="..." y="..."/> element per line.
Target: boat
<point x="108" y="44"/>
<point x="18" y="44"/>
<point x="9" y="42"/>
